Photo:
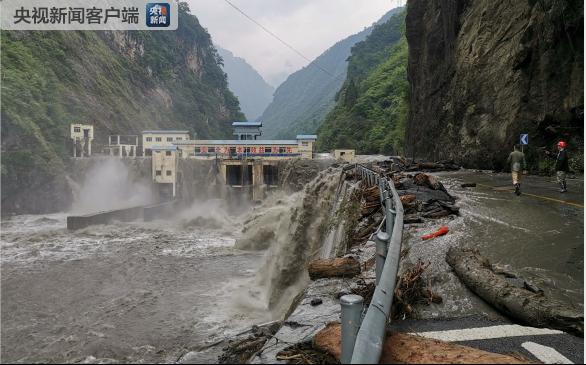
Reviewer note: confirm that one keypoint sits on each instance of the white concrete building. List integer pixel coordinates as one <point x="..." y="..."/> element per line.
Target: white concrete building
<point x="82" y="136"/>
<point x="161" y="138"/>
<point x="345" y="155"/>
<point x="306" y="142"/>
<point x="164" y="169"/>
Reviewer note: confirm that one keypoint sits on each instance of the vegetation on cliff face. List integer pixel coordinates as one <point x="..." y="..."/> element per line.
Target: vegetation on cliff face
<point x="483" y="72"/>
<point x="371" y="108"/>
<point x="301" y="103"/>
<point x="121" y="82"/>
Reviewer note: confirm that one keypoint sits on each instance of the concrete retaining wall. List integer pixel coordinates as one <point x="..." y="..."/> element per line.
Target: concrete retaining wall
<point x="145" y="213"/>
<point x="124" y="215"/>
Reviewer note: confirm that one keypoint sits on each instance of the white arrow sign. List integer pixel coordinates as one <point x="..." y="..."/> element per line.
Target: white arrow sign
<point x="524" y="139"/>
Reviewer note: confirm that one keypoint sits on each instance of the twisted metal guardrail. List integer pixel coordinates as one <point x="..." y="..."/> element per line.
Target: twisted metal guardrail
<point x="363" y="338"/>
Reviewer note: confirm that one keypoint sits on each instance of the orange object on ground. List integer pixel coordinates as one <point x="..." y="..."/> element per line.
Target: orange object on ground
<point x="440" y="232"/>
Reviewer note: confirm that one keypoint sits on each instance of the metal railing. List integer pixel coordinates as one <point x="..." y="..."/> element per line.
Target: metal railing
<point x="363" y="338"/>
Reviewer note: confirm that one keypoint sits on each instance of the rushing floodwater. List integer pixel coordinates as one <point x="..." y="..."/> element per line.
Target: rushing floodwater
<point x="125" y="292"/>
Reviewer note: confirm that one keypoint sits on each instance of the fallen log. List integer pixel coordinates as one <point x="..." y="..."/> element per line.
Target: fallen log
<point x="338" y="267"/>
<point x="468" y="185"/>
<point x="533" y="309"/>
<point x="401" y="348"/>
<point x="407" y="199"/>
<point x="412" y="218"/>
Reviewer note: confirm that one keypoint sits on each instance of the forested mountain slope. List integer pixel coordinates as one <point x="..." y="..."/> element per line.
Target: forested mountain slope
<point x="371" y="107"/>
<point x="303" y="100"/>
<point x="121" y="82"/>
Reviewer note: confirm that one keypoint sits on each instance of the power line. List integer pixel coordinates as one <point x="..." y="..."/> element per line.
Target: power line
<point x="278" y="38"/>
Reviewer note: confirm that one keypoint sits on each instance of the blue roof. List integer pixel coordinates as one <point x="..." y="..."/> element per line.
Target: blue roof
<point x="306" y="136"/>
<point x="247" y="124"/>
<point x="165" y="132"/>
<point x="164" y="148"/>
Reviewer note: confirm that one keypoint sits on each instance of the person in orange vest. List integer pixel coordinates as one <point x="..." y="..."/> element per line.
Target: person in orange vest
<point x="562" y="166"/>
<point x="518" y="165"/>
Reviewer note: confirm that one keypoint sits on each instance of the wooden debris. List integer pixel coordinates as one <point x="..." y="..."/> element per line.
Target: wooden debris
<point x="423" y="179"/>
<point x="338" y="267"/>
<point x="305" y="353"/>
<point x="533" y="309"/>
<point x="411" y="219"/>
<point x="329" y="340"/>
<point x="411" y="289"/>
<point x="407" y="199"/>
<point x="401" y="348"/>
<point x="371" y="194"/>
<point x="468" y="185"/>
<point x="370" y="201"/>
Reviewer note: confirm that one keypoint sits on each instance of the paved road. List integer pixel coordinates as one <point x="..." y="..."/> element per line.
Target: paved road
<point x="500" y="337"/>
<point x="540" y="234"/>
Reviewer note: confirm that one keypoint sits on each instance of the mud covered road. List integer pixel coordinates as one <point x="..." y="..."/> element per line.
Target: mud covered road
<point x="122" y="293"/>
<point x="539" y="234"/>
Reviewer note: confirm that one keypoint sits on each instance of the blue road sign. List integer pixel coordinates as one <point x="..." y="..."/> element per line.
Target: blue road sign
<point x="524" y="139"/>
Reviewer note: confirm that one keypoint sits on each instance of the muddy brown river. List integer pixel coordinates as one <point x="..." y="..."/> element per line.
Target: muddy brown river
<point x="122" y="293"/>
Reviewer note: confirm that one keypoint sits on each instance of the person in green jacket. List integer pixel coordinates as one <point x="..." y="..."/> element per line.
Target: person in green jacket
<point x="517" y="162"/>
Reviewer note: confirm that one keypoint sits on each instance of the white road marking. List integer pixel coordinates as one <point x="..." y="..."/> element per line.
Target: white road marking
<point x="485" y="333"/>
<point x="545" y="354"/>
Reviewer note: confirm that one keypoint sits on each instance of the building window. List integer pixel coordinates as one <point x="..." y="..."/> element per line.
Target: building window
<point x="76" y="129"/>
<point x="169" y="173"/>
<point x="179" y="139"/>
<point x="158" y="172"/>
<point x="282" y="150"/>
<point x="149" y="139"/>
<point x="267" y="150"/>
<point x="169" y="139"/>
<point x="212" y="149"/>
<point x="246" y="149"/>
<point x="232" y="150"/>
<point x="305" y="144"/>
<point x="158" y="139"/>
<point x="167" y="153"/>
<point x="197" y="149"/>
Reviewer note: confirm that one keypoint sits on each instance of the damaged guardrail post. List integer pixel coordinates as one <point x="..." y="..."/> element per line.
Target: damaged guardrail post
<point x="389" y="214"/>
<point x="381" y="190"/>
<point x="382" y="247"/>
<point x="351" y="320"/>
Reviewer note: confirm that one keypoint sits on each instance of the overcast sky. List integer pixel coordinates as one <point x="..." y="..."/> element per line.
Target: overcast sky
<point x="311" y="26"/>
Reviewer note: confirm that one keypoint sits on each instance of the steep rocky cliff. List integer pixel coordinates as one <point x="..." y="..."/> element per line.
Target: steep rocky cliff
<point x="121" y="82"/>
<point x="482" y="72"/>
